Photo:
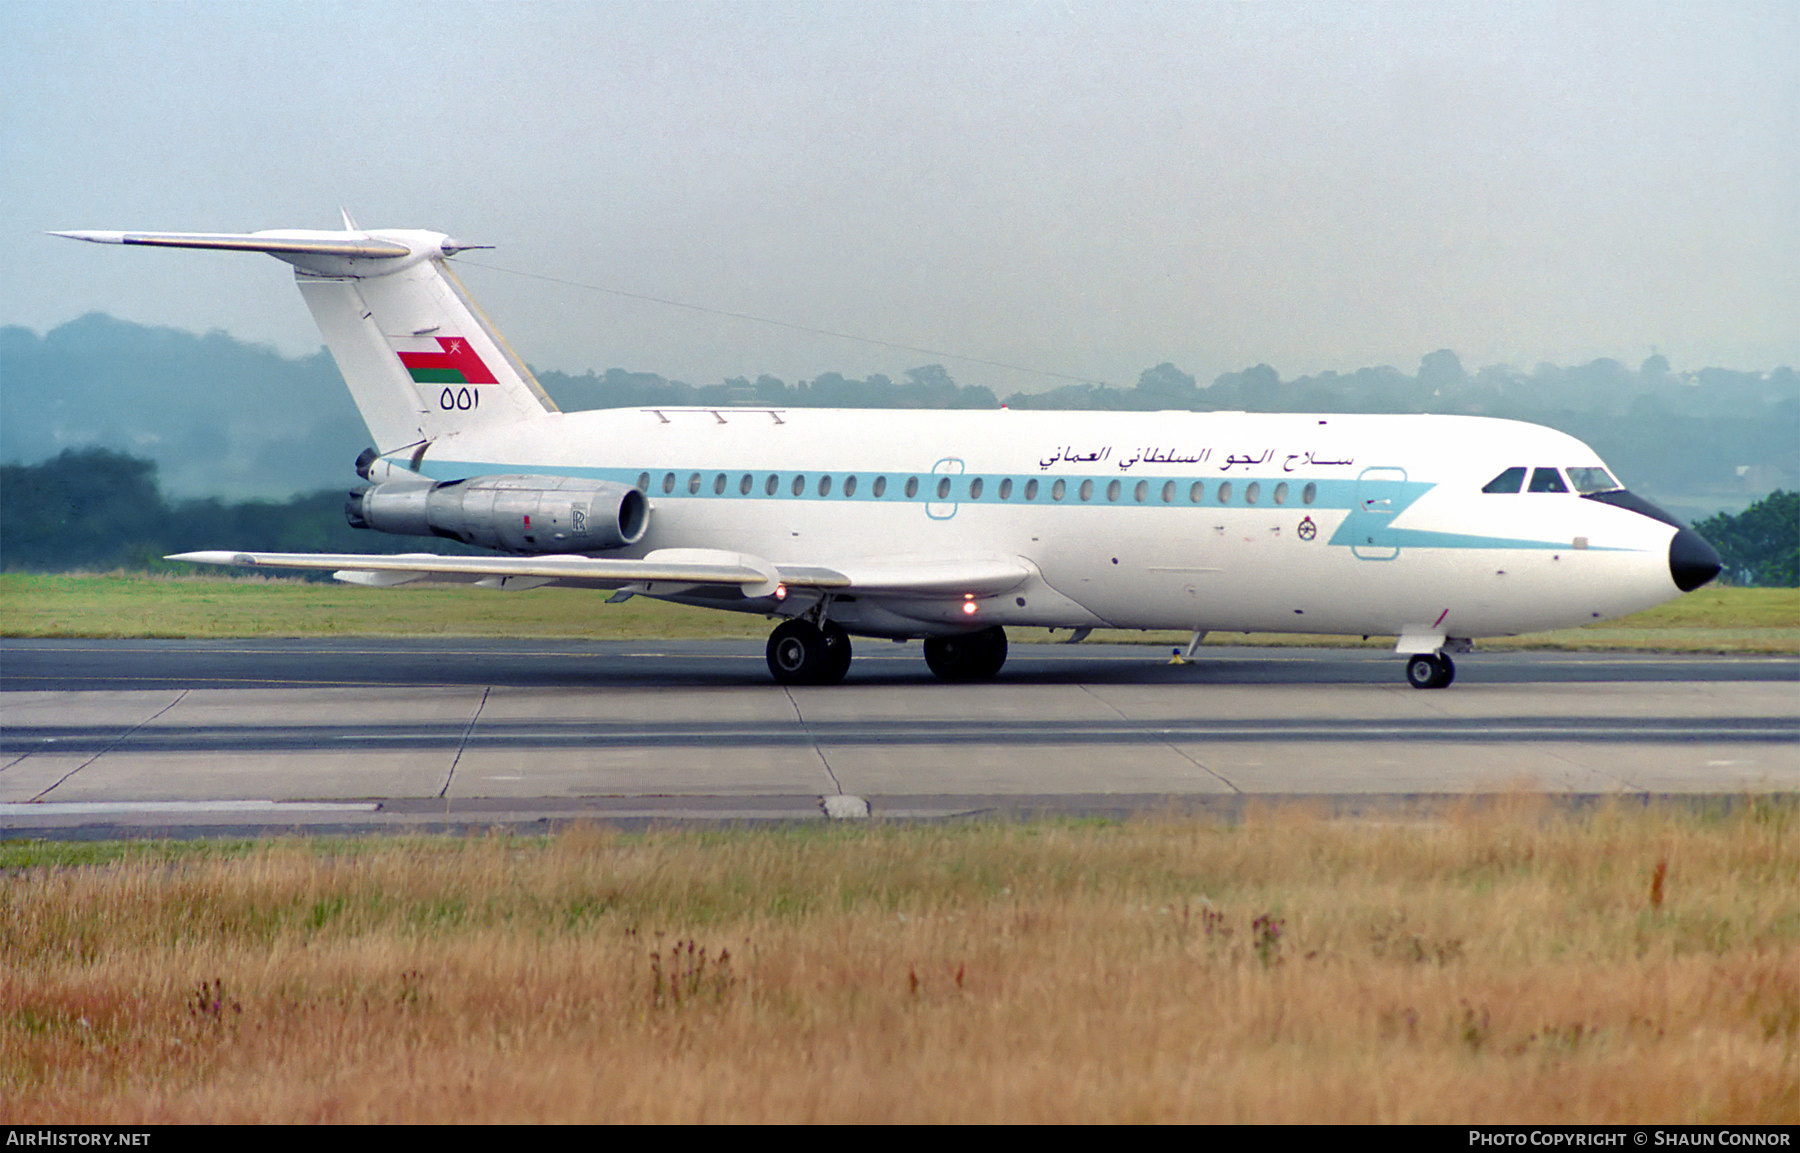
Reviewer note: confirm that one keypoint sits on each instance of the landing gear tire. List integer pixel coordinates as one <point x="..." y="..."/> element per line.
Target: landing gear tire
<point x="1430" y="671"/>
<point x="802" y="653"/>
<point x="837" y="654"/>
<point x="976" y="656"/>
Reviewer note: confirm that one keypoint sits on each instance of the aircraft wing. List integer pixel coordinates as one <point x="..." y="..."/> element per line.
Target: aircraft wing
<point x="686" y="568"/>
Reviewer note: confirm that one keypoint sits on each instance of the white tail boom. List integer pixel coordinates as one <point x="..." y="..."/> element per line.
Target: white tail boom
<point x="420" y="359"/>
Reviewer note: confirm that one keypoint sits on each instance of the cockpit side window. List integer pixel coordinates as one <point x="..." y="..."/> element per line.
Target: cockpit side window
<point x="1547" y="480"/>
<point x="1512" y="480"/>
<point x="1588" y="480"/>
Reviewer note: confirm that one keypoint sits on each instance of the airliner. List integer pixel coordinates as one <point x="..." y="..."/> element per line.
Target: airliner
<point x="951" y="526"/>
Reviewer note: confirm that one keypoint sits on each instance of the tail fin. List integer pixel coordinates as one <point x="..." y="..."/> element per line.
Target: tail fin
<point x="421" y="360"/>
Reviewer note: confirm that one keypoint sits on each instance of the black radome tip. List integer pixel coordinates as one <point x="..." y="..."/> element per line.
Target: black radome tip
<point x="1692" y="561"/>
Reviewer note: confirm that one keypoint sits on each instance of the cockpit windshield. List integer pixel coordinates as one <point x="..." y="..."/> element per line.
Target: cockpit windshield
<point x="1512" y="480"/>
<point x="1547" y="480"/>
<point x="1550" y="481"/>
<point x="1588" y="480"/>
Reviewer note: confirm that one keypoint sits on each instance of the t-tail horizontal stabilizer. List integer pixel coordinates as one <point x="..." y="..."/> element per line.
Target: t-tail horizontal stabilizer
<point x="290" y="243"/>
<point x="274" y="242"/>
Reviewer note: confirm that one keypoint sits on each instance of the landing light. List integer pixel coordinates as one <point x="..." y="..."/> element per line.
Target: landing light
<point x="780" y="592"/>
<point x="969" y="606"/>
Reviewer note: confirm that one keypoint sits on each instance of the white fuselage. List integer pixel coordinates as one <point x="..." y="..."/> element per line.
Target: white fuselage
<point x="1207" y="521"/>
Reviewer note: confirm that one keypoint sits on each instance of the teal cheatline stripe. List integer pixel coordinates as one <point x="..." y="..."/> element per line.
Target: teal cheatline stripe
<point x="1423" y="538"/>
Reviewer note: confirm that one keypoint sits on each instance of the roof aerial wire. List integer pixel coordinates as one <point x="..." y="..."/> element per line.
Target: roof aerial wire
<point x="786" y="324"/>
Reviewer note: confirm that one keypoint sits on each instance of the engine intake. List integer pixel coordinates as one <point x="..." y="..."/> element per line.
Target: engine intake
<point x="517" y="514"/>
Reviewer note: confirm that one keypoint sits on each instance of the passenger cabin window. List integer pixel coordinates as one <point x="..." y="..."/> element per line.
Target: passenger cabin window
<point x="1547" y="480"/>
<point x="1588" y="480"/>
<point x="1512" y="480"/>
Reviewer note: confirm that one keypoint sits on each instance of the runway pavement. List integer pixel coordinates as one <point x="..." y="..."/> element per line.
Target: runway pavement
<point x="182" y="737"/>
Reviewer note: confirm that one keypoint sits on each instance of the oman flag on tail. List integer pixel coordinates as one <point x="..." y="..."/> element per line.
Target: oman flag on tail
<point x="442" y="360"/>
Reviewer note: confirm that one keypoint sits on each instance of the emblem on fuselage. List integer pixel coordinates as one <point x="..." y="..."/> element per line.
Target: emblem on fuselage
<point x="1307" y="529"/>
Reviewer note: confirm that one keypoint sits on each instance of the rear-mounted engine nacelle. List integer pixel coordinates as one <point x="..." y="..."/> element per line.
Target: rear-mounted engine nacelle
<point x="519" y="514"/>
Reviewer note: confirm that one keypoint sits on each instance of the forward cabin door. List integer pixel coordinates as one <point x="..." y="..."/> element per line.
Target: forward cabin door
<point x="1378" y="495"/>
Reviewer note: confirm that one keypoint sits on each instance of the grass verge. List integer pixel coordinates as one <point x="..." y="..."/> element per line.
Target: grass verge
<point x="144" y="605"/>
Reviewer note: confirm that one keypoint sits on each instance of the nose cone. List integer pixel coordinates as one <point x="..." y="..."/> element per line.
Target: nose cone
<point x="1692" y="561"/>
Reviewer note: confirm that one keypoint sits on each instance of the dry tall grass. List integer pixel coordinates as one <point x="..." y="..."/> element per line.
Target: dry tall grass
<point x="1513" y="963"/>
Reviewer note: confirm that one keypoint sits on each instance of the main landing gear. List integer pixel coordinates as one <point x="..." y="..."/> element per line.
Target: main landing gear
<point x="973" y="656"/>
<point x="802" y="653"/>
<point x="1430" y="671"/>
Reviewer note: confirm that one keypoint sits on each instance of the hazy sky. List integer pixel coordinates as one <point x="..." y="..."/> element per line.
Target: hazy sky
<point x="1084" y="188"/>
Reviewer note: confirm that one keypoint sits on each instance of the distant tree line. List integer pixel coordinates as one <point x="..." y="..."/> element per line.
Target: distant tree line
<point x="219" y="416"/>
<point x="1600" y="389"/>
<point x="98" y="509"/>
<point x="1761" y="545"/>
<point x="929" y="386"/>
<point x="222" y="417"/>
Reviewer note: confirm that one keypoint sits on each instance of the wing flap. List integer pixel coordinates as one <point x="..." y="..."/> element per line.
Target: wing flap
<point x="414" y="566"/>
<point x="688" y="567"/>
<point x="961" y="576"/>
